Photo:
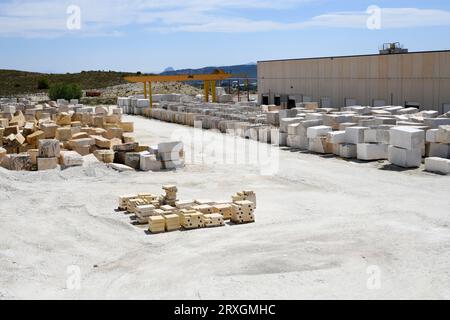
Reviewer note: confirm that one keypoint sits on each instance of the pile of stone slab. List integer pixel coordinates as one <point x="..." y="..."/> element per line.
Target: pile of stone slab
<point x="166" y="213"/>
<point x="439" y="150"/>
<point x="393" y="133"/>
<point x="44" y="136"/>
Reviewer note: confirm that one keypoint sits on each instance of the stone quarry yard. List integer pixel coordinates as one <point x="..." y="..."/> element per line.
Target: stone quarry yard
<point x="322" y="226"/>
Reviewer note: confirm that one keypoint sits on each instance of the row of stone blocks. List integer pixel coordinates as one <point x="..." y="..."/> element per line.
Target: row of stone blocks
<point x="402" y="146"/>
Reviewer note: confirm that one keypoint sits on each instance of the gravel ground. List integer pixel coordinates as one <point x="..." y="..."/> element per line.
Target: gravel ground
<point x="326" y="228"/>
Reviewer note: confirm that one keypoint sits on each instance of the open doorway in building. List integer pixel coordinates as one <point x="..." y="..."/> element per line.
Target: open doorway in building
<point x="325" y="102"/>
<point x="412" y="104"/>
<point x="277" y="101"/>
<point x="265" y="100"/>
<point x="291" y="103"/>
<point x="378" y="103"/>
<point x="445" y="108"/>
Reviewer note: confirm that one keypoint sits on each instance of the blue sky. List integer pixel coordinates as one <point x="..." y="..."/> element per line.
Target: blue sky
<point x="150" y="35"/>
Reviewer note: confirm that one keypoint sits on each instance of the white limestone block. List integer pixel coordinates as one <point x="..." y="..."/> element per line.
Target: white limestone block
<point x="293" y="128"/>
<point x="318" y="145"/>
<point x="435" y="123"/>
<point x="348" y="150"/>
<point x="319" y="131"/>
<point x="443" y="134"/>
<point x="407" y="138"/>
<point x="355" y="135"/>
<point x="285" y="122"/>
<point x="174" y="146"/>
<point x="431" y="135"/>
<point x="441" y="150"/>
<point x="438" y="165"/>
<point x="71" y="159"/>
<point x="336" y="137"/>
<point x="372" y="151"/>
<point x="149" y="162"/>
<point x="405" y="158"/>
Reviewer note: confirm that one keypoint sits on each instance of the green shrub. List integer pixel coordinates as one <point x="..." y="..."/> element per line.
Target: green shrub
<point x="43" y="84"/>
<point x="65" y="91"/>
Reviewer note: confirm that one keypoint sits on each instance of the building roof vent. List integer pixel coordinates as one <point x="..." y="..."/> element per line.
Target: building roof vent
<point x="392" y="48"/>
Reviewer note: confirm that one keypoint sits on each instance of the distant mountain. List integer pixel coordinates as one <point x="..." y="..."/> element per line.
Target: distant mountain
<point x="244" y="70"/>
<point x="168" y="69"/>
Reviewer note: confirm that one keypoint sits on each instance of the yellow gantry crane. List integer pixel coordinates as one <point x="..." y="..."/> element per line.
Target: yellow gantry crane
<point x="209" y="81"/>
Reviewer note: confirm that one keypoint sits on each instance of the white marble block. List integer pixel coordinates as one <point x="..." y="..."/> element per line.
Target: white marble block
<point x="71" y="159"/>
<point x="443" y="134"/>
<point x="348" y="150"/>
<point x="336" y="137"/>
<point x="319" y="131"/>
<point x="405" y="158"/>
<point x="431" y="135"/>
<point x="441" y="150"/>
<point x="372" y="151"/>
<point x="438" y="165"/>
<point x="148" y="162"/>
<point x="407" y="138"/>
<point x="355" y="135"/>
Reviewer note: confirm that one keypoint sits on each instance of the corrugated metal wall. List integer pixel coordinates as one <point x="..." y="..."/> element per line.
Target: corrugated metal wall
<point x="422" y="77"/>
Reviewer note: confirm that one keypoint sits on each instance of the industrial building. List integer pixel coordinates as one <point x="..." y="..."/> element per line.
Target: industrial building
<point x="392" y="77"/>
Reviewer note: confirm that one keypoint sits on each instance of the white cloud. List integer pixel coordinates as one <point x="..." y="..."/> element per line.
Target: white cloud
<point x="47" y="18"/>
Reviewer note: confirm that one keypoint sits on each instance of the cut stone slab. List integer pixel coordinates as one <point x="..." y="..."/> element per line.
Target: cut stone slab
<point x="320" y="145"/>
<point x="318" y="131"/>
<point x="170" y="165"/>
<point x="105" y="156"/>
<point x="20" y="162"/>
<point x="71" y="159"/>
<point x="336" y="137"/>
<point x="47" y="163"/>
<point x="348" y="150"/>
<point x="63" y="119"/>
<point x="372" y="151"/>
<point x="34" y="153"/>
<point x="49" y="130"/>
<point x="102" y="142"/>
<point x="132" y="159"/>
<point x="443" y="134"/>
<point x="127" y="126"/>
<point x="120" y="167"/>
<point x="64" y="134"/>
<point x="170" y="146"/>
<point x="405" y="158"/>
<point x="79" y="135"/>
<point x="435" y="123"/>
<point x="431" y="135"/>
<point x="49" y="148"/>
<point x="11" y="130"/>
<point x="440" y="150"/>
<point x="355" y="135"/>
<point x="82" y="150"/>
<point x="83" y="142"/>
<point x="126" y="147"/>
<point x="148" y="162"/>
<point x="438" y="165"/>
<point x="407" y="138"/>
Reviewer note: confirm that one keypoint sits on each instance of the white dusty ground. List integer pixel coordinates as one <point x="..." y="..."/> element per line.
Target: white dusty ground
<point x="323" y="225"/>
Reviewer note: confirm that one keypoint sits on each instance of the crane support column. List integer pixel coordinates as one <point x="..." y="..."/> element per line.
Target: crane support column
<point x="213" y="91"/>
<point x="145" y="90"/>
<point x="206" y="87"/>
<point x="150" y="95"/>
